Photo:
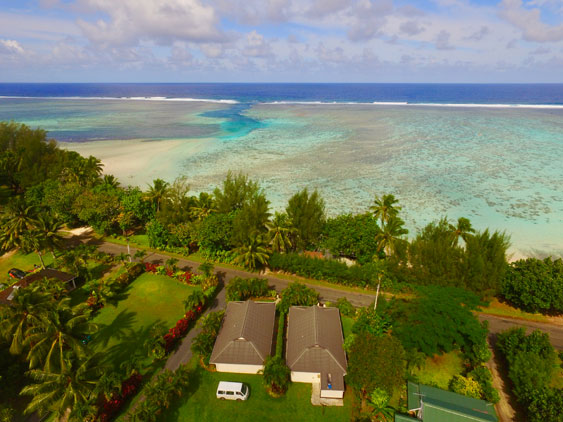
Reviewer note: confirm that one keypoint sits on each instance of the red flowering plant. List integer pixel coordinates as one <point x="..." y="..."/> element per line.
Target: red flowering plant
<point x="110" y="407"/>
<point x="149" y="267"/>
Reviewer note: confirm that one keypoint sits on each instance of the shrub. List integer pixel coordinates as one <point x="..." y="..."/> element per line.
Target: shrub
<point x="297" y="294"/>
<point x="345" y="307"/>
<point x="245" y="288"/>
<point x="531" y="363"/>
<point x="203" y="343"/>
<point x="157" y="234"/>
<point x="535" y="285"/>
<point x="466" y="386"/>
<point x="276" y="375"/>
<point x="329" y="270"/>
<point x="369" y="321"/>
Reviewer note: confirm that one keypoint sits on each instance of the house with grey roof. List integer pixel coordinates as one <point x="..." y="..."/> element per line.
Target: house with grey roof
<point x="245" y="338"/>
<point x="314" y="351"/>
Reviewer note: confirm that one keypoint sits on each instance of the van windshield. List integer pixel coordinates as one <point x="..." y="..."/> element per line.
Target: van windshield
<point x="243" y="389"/>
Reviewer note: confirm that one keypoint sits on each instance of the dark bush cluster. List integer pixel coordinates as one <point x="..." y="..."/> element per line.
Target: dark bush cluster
<point x="531" y="364"/>
<point x="329" y="270"/>
<point x="245" y="288"/>
<point x="535" y="285"/>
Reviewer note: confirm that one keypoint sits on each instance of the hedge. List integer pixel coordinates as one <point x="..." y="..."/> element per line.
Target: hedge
<point x="279" y="338"/>
<point x="245" y="288"/>
<point x="329" y="270"/>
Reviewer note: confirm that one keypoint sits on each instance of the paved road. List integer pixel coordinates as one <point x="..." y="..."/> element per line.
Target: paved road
<point x="496" y="324"/>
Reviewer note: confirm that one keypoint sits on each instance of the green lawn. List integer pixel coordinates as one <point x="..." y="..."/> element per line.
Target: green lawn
<point x="440" y="369"/>
<point x="21" y="261"/>
<point x="347" y="323"/>
<point x="200" y="404"/>
<point x="150" y="301"/>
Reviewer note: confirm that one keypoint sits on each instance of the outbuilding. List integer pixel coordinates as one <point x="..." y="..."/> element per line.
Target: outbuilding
<point x="432" y="404"/>
<point x="245" y="338"/>
<point x="8" y="294"/>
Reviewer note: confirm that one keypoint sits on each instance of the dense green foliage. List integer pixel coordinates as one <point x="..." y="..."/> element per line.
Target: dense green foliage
<point x="440" y="320"/>
<point x="535" y="285"/>
<point x="329" y="270"/>
<point x="376" y="362"/>
<point x="351" y="236"/>
<point x="276" y="375"/>
<point x="435" y="258"/>
<point x="245" y="288"/>
<point x="307" y="214"/>
<point x="202" y="344"/>
<point x="297" y="294"/>
<point x="531" y="365"/>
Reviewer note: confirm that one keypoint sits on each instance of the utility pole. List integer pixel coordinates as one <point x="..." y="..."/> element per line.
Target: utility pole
<point x="377" y="293"/>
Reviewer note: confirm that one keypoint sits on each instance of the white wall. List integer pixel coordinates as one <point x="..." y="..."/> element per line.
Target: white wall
<point x="238" y="369"/>
<point x="332" y="394"/>
<point x="308" y="377"/>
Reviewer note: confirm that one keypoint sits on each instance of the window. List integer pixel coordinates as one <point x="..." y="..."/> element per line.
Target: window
<point x="230" y="393"/>
<point x="220" y="392"/>
<point x="244" y="388"/>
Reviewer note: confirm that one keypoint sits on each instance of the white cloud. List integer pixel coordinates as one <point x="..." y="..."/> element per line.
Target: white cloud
<point x="411" y="28"/>
<point x="131" y="21"/>
<point x="529" y="22"/>
<point x="10" y="47"/>
<point x="256" y="45"/>
<point x="443" y="41"/>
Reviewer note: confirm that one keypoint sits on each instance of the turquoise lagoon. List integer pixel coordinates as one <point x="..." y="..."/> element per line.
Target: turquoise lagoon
<point x="499" y="166"/>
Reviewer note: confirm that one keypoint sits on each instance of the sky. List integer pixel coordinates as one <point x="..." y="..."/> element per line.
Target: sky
<point x="281" y="41"/>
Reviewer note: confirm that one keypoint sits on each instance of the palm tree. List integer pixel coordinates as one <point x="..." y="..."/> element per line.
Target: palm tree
<point x="19" y="222"/>
<point x="203" y="206"/>
<point x="390" y="234"/>
<point x="62" y="332"/>
<point x="275" y="375"/>
<point x="49" y="231"/>
<point x="27" y="310"/>
<point x="157" y="192"/>
<point x="279" y="232"/>
<point x="108" y="385"/>
<point x="379" y="399"/>
<point x="195" y="299"/>
<point x="84" y="412"/>
<point x="94" y="168"/>
<point x="62" y="391"/>
<point x="110" y="181"/>
<point x="384" y="208"/>
<point x="252" y="255"/>
<point x="463" y="229"/>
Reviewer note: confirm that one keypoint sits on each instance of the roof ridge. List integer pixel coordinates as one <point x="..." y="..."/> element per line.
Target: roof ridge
<point x="316" y="325"/>
<point x="245" y="319"/>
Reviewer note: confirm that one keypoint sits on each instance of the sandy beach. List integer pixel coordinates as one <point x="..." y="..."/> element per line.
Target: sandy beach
<point x="136" y="162"/>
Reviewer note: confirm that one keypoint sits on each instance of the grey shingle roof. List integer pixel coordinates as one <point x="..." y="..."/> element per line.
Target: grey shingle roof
<point x="314" y="343"/>
<point x="246" y="334"/>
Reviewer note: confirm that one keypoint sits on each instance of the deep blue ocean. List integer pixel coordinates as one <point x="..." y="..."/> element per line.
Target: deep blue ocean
<point x="509" y="94"/>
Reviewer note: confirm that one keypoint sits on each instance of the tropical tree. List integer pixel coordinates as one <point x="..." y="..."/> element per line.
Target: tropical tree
<point x="196" y="298"/>
<point x="297" y="294"/>
<point x="379" y="400"/>
<point x="110" y="181"/>
<point x="108" y="385"/>
<point x="48" y="229"/>
<point x="27" y="310"/>
<point x="385" y="208"/>
<point x="390" y="235"/>
<point x="18" y="223"/>
<point x="157" y="192"/>
<point x="280" y="231"/>
<point x="60" y="392"/>
<point x="275" y="375"/>
<point x="307" y="215"/>
<point x="60" y="333"/>
<point x="462" y="229"/>
<point x="253" y="254"/>
<point x="203" y="206"/>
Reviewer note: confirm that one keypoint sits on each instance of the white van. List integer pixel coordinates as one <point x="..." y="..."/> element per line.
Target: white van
<point x="232" y="391"/>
